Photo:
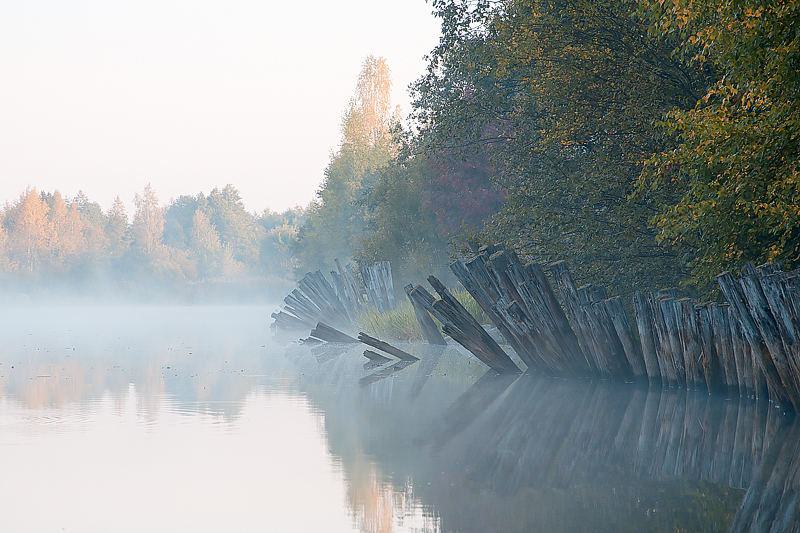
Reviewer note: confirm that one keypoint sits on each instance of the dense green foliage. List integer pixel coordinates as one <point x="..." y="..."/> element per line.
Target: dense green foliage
<point x="736" y="166"/>
<point x="564" y="96"/>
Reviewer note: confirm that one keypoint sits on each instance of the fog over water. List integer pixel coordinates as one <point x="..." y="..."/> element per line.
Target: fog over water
<point x="196" y="418"/>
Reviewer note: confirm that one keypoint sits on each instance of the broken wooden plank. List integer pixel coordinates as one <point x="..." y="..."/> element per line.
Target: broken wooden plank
<point x="329" y="334"/>
<point x="385" y="347"/>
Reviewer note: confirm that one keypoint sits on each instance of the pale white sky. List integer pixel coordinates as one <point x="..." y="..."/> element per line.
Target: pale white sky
<point x="106" y="96"/>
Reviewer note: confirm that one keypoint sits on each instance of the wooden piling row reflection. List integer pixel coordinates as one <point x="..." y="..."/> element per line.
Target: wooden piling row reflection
<point x="570" y="432"/>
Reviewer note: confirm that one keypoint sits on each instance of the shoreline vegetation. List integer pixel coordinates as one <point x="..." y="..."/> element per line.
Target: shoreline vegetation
<point x="647" y="144"/>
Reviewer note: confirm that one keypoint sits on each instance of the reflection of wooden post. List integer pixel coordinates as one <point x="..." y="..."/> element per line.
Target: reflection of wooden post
<point x="693" y="433"/>
<point x="761" y="502"/>
<point x="648" y="434"/>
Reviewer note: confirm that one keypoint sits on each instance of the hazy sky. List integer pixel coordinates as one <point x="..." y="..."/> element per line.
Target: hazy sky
<point x="106" y="96"/>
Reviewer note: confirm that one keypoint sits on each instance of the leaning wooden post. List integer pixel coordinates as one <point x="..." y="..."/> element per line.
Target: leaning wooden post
<point x="669" y="375"/>
<point x="712" y="370"/>
<point x="673" y="338"/>
<point x="778" y="291"/>
<point x="429" y="329"/>
<point x="733" y="293"/>
<point x="464" y="331"/>
<point x="644" y="323"/>
<point x="632" y="349"/>
<point x="724" y="339"/>
<point x="537" y="277"/>
<point x="480" y="284"/>
<point x="762" y="315"/>
<point x="690" y="341"/>
<point x="744" y="363"/>
<point x="465" y="323"/>
<point x="386" y="347"/>
<point x="569" y="295"/>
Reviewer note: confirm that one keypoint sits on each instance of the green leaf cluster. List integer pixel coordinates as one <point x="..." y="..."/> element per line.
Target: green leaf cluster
<point x="736" y="160"/>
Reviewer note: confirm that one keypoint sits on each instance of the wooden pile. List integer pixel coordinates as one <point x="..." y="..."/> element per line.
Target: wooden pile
<point x="766" y="304"/>
<point x="695" y="346"/>
<point x="750" y="346"/>
<point x="602" y="326"/>
<point x="595" y="340"/>
<point x="337" y="302"/>
<point x="461" y="326"/>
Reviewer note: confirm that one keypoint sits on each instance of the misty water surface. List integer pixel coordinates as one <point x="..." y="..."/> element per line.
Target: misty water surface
<point x="195" y="419"/>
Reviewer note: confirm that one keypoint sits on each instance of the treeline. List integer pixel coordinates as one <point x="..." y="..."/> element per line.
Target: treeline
<point x="50" y="241"/>
<point x="648" y="143"/>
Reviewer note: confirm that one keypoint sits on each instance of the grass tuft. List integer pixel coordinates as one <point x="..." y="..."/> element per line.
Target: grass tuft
<point x="401" y="324"/>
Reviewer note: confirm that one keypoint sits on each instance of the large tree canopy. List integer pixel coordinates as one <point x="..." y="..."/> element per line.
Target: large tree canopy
<point x="737" y="160"/>
<point x="565" y="95"/>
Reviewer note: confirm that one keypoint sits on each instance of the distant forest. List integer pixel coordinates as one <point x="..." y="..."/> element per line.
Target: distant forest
<point x="195" y="246"/>
<point x="650" y="144"/>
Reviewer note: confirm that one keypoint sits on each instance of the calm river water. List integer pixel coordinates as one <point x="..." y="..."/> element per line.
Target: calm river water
<point x="195" y="419"/>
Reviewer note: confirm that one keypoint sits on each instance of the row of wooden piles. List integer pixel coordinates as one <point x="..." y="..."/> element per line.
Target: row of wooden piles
<point x="350" y="292"/>
<point x="749" y="345"/>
